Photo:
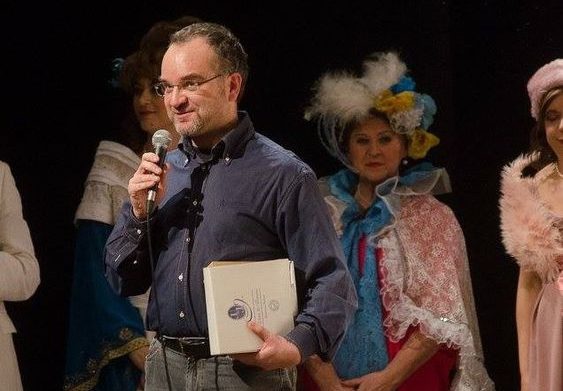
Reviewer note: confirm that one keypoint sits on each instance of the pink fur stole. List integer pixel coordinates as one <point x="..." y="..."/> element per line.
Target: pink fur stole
<point x="530" y="232"/>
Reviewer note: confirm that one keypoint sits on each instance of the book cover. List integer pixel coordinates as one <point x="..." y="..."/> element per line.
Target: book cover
<point x="239" y="291"/>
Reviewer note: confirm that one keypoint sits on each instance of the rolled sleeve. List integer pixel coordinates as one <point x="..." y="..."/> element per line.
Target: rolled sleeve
<point x="330" y="302"/>
<point x="303" y="336"/>
<point x="128" y="268"/>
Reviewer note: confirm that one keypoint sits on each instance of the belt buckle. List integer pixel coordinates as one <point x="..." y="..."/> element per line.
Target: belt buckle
<point x="192" y="341"/>
<point x="172" y="343"/>
<point x="194" y="347"/>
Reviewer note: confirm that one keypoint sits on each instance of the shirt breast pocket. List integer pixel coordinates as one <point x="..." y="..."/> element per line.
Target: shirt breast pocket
<point x="241" y="223"/>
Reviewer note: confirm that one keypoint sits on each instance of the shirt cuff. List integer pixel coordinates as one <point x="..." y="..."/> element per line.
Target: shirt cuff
<point x="304" y="337"/>
<point x="136" y="228"/>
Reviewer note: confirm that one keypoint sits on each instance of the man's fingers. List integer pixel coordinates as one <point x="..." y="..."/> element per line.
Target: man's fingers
<point x="150" y="156"/>
<point x="245" y="358"/>
<point x="148" y="160"/>
<point x="142" y="183"/>
<point x="259" y="330"/>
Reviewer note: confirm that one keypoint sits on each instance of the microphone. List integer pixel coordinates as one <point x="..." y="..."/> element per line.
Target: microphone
<point x="160" y="141"/>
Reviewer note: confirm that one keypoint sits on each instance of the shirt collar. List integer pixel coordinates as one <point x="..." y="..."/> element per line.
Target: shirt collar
<point x="231" y="145"/>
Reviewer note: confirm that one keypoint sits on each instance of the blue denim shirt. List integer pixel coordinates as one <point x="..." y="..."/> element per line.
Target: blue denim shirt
<point x="248" y="199"/>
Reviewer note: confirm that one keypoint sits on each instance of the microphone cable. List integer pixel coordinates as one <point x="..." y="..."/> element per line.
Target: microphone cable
<point x="160" y="140"/>
<point x="154" y="292"/>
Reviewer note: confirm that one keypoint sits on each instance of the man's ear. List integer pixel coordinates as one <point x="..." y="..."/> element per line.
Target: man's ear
<point x="235" y="86"/>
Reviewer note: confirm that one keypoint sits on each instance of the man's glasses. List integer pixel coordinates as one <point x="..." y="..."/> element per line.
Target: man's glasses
<point x="162" y="88"/>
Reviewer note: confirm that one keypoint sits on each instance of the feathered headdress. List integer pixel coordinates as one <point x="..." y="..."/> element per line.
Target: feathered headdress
<point x="340" y="98"/>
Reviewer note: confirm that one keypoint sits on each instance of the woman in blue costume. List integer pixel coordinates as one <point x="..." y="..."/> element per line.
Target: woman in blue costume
<point x="416" y="327"/>
<point x="107" y="342"/>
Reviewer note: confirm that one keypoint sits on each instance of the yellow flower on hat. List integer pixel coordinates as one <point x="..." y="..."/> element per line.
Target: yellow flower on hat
<point x="390" y="103"/>
<point x="420" y="141"/>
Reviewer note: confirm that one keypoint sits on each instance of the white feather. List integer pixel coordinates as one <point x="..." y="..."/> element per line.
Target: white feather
<point x="341" y="96"/>
<point x="383" y="72"/>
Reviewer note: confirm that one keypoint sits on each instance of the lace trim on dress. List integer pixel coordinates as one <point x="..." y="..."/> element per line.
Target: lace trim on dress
<point x="438" y="304"/>
<point x="404" y="312"/>
<point x="436" y="181"/>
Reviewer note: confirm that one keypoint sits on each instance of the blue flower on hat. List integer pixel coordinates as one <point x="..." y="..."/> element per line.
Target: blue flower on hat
<point x="405" y="83"/>
<point x="429" y="109"/>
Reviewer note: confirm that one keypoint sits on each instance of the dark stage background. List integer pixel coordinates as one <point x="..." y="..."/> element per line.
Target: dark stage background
<point x="473" y="57"/>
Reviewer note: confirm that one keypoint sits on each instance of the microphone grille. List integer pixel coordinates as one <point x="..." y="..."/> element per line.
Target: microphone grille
<point x="161" y="138"/>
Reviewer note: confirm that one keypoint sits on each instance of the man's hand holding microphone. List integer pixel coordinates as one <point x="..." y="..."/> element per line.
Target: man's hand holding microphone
<point x="147" y="185"/>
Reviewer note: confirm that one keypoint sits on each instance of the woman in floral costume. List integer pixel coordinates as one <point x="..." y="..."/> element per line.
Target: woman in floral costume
<point x="416" y="327"/>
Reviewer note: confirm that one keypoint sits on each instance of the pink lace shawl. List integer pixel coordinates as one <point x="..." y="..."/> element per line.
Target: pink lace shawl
<point x="427" y="283"/>
<point x="426" y="280"/>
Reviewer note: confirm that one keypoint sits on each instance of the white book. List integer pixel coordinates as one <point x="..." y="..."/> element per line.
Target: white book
<point x="239" y="291"/>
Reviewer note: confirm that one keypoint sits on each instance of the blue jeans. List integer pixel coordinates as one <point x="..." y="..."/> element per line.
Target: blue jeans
<point x="215" y="373"/>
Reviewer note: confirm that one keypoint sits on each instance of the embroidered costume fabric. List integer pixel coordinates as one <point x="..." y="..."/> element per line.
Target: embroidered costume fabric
<point x="103" y="327"/>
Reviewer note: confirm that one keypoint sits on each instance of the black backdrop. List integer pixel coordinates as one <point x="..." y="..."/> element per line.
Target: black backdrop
<point x="473" y="57"/>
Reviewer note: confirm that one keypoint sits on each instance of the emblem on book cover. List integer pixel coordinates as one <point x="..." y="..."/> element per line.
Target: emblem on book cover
<point x="240" y="310"/>
<point x="274" y="305"/>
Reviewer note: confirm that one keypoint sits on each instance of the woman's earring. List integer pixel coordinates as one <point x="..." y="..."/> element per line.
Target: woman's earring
<point x="404" y="162"/>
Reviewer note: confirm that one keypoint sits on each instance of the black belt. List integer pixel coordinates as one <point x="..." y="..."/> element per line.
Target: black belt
<point x="195" y="347"/>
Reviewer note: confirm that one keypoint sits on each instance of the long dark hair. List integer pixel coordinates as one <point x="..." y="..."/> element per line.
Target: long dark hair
<point x="538" y="138"/>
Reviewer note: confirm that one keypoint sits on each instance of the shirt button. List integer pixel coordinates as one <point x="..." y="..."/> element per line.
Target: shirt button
<point x="181" y="314"/>
<point x="227" y="159"/>
<point x="139" y="231"/>
<point x="135" y="262"/>
<point x="181" y="277"/>
<point x="188" y="239"/>
<point x="195" y="202"/>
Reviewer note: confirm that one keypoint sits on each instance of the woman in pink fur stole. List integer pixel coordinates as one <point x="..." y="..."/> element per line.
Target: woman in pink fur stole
<point x="531" y="208"/>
